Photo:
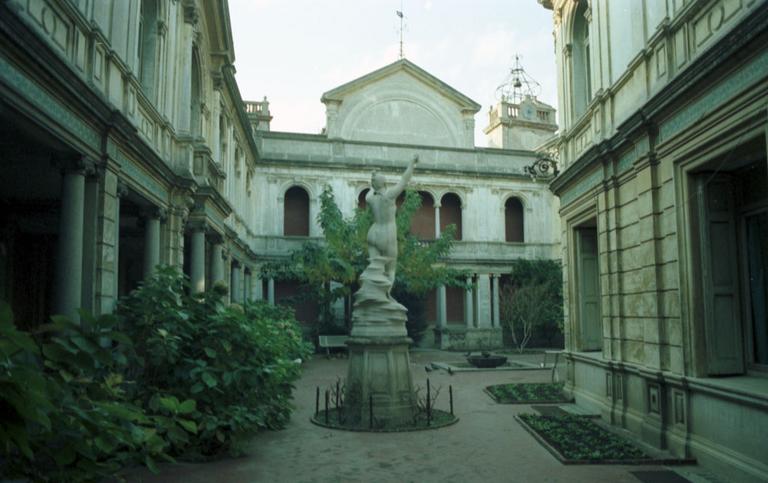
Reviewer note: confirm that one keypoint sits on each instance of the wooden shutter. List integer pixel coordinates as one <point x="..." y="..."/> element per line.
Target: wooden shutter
<point x="719" y="273"/>
<point x="590" y="321"/>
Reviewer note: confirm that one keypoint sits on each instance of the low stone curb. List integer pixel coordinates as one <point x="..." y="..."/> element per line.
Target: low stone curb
<point x="317" y="420"/>
<point x="636" y="461"/>
<point x="451" y="369"/>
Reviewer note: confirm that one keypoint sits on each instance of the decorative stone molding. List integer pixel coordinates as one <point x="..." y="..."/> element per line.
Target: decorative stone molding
<point x="191" y="12"/>
<point x="122" y="189"/>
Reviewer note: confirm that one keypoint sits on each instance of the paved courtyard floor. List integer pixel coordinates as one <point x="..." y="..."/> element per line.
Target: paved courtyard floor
<point x="486" y="445"/>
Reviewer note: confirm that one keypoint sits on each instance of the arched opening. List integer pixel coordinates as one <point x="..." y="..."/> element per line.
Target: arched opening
<point x="296" y="213"/>
<point x="580" y="61"/>
<point x="361" y="203"/>
<point x="195" y="101"/>
<point x="454" y="304"/>
<point x="147" y="46"/>
<point x="513" y="220"/>
<point x="450" y="213"/>
<point x="423" y="221"/>
<point x="293" y="294"/>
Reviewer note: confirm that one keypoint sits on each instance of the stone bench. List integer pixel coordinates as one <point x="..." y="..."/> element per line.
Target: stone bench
<point x="329" y="342"/>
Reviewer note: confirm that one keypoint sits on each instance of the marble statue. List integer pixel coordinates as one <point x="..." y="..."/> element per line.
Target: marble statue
<point x="379" y="362"/>
<point x="375" y="312"/>
<point x="382" y="236"/>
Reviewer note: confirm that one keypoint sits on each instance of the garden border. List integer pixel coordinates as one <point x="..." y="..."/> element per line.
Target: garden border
<point x="530" y="401"/>
<point x="636" y="462"/>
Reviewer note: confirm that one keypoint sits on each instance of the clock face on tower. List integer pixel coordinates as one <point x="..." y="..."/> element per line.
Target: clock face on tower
<point x="528" y="112"/>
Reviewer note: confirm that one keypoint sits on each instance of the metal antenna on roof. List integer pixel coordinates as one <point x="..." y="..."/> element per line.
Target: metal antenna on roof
<point x="400" y="14"/>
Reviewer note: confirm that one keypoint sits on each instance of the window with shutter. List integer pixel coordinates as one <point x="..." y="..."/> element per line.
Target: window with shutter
<point x="588" y="290"/>
<point x="719" y="273"/>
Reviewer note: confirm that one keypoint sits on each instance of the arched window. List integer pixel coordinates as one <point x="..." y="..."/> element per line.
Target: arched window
<point x="513" y="220"/>
<point x="581" y="74"/>
<point x="296" y="212"/>
<point x="450" y="213"/>
<point x="423" y="221"/>
<point x="147" y="46"/>
<point x="361" y="203"/>
<point x="196" y="97"/>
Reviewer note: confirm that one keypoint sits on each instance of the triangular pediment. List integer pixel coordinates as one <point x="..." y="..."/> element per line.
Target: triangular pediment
<point x="403" y="65"/>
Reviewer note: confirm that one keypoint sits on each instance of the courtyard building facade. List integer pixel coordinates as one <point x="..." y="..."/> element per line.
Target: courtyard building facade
<point x="664" y="214"/>
<point x="124" y="146"/>
<point x="378" y="122"/>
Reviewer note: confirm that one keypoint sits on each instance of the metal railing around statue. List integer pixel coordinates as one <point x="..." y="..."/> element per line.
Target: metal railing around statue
<point x="331" y="410"/>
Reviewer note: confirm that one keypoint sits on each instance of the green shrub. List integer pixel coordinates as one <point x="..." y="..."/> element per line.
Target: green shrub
<point x="237" y="362"/>
<point x="80" y="401"/>
<point x="64" y="415"/>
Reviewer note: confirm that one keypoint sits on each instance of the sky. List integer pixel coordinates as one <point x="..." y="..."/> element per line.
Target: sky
<point x="294" y="50"/>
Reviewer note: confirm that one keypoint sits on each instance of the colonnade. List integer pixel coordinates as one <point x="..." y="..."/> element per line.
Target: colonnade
<point x="481" y="302"/>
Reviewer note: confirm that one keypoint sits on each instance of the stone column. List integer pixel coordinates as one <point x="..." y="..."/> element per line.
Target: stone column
<point x="217" y="263"/>
<point x="257" y="286"/>
<point x="469" y="311"/>
<point x="247" y="282"/>
<point x="184" y="94"/>
<point x="496" y="322"/>
<point x="151" y="241"/>
<point x="235" y="289"/>
<point x="483" y="300"/>
<point x="122" y="190"/>
<point x="197" y="259"/>
<point x="271" y="291"/>
<point x="442" y="309"/>
<point x="437" y="221"/>
<point x="68" y="282"/>
<point x="90" y="230"/>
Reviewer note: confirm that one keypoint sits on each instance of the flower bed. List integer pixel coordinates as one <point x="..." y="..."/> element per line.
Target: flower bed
<point x="579" y="439"/>
<point x="526" y="393"/>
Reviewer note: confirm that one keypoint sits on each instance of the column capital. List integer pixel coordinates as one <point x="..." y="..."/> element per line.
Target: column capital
<point x="122" y="189"/>
<point x="197" y="225"/>
<point x="155" y="213"/>
<point x="83" y="165"/>
<point x="162" y="28"/>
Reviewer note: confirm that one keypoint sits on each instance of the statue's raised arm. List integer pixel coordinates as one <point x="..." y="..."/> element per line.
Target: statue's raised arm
<point x="395" y="191"/>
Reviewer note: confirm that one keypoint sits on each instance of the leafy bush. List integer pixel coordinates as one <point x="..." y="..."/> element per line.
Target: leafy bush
<point x="237" y="362"/>
<point x="80" y="401"/>
<point x="64" y="414"/>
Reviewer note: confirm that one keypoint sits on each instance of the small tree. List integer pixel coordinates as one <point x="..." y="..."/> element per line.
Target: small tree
<point x="343" y="255"/>
<point x="531" y="301"/>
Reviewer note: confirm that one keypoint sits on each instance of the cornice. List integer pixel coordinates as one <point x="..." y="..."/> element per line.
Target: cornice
<point x="731" y="49"/>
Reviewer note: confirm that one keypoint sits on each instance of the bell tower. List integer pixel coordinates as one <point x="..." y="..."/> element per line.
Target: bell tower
<point x="519" y="120"/>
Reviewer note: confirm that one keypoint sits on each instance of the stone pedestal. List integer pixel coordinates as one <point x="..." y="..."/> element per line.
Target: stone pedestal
<point x="380" y="367"/>
<point x="379" y="362"/>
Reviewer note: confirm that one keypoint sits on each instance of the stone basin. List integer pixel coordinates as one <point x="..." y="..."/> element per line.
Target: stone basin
<point x="487" y="361"/>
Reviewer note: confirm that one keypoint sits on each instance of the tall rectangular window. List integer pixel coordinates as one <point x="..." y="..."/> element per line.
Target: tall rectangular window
<point x="731" y="234"/>
<point x="588" y="289"/>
